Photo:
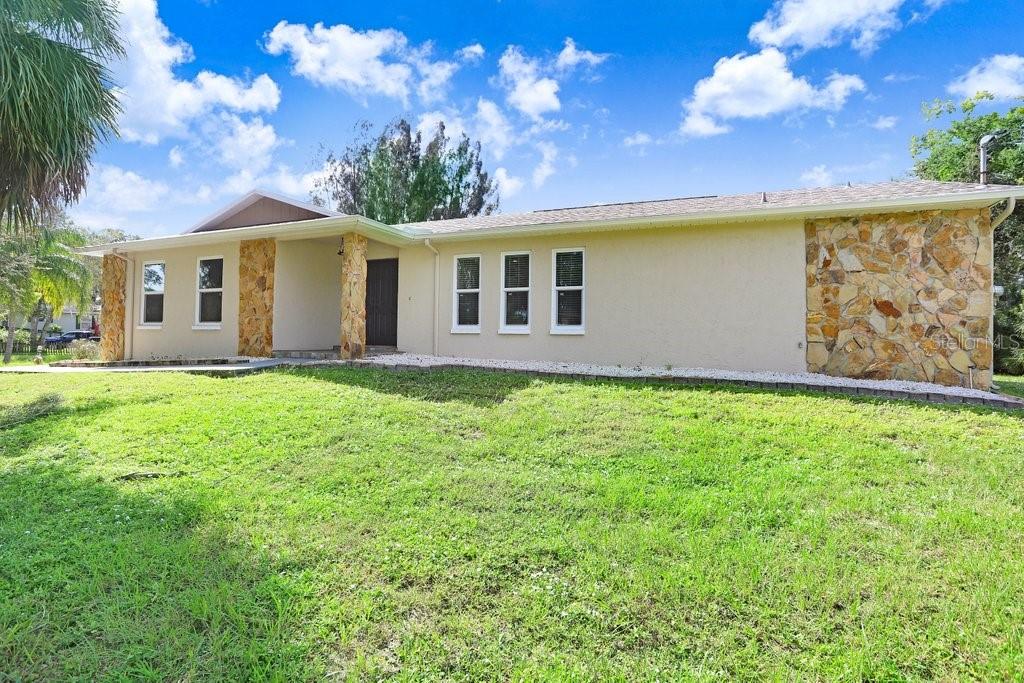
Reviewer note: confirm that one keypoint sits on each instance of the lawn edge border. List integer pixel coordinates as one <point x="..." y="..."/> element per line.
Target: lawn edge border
<point x="995" y="401"/>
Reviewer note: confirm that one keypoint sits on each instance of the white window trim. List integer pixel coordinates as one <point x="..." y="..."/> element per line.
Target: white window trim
<point x="456" y="327"/>
<point x="143" y="325"/>
<point x="504" y="328"/>
<point x="197" y="325"/>
<point x="568" y="329"/>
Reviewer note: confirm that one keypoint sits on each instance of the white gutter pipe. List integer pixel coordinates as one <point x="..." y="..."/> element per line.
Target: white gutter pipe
<point x="437" y="287"/>
<point x="1011" y="204"/>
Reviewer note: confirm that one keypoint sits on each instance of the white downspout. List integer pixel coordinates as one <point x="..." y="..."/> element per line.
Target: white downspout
<point x="1011" y="204"/>
<point x="437" y="287"/>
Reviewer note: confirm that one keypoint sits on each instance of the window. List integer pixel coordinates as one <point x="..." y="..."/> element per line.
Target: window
<point x="153" y="293"/>
<point x="209" y="291"/>
<point x="466" y="305"/>
<point x="567" y="297"/>
<point x="515" y="293"/>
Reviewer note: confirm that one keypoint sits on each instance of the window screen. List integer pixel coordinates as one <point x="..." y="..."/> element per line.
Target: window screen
<point x="210" y="291"/>
<point x="467" y="291"/>
<point x="152" y="293"/>
<point x="568" y="291"/>
<point x="515" y="291"/>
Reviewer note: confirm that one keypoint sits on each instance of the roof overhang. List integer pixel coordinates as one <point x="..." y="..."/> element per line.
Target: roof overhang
<point x="401" y="236"/>
<point x="761" y="214"/>
<point x="296" y="230"/>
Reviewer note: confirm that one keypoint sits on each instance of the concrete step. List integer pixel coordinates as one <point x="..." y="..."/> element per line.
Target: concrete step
<point x="319" y="354"/>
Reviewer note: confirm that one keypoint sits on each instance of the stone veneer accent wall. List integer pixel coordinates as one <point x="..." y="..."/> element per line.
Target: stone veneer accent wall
<point x="113" y="280"/>
<point x="256" y="297"/>
<point x="901" y="296"/>
<point x="353" y="296"/>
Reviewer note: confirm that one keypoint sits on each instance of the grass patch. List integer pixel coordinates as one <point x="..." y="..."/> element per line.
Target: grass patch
<point x="20" y="359"/>
<point x="1011" y="384"/>
<point x="356" y="523"/>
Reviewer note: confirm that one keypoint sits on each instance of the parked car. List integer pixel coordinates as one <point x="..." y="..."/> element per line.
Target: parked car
<point x="62" y="340"/>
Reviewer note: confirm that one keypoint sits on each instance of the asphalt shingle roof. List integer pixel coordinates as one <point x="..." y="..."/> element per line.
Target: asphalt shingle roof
<point x="695" y="206"/>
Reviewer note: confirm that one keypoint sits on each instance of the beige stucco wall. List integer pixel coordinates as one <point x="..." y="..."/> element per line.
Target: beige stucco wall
<point x="307" y="292"/>
<point x="379" y="250"/>
<point x="176" y="336"/>
<point x="725" y="296"/>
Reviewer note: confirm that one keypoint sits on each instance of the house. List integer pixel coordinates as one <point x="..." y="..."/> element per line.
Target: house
<point x="886" y="280"/>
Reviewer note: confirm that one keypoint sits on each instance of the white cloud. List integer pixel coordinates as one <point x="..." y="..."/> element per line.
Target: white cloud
<point x="119" y="198"/>
<point x="156" y="103"/>
<point x="528" y="91"/>
<point x="493" y="129"/>
<point x="508" y="185"/>
<point x="897" y="77"/>
<point x="471" y="53"/>
<point x="570" y="57"/>
<point x="546" y="168"/>
<point x="435" y="78"/>
<point x="756" y="86"/>
<point x="454" y="126"/>
<point x="281" y="178"/>
<point x="362" y="63"/>
<point x="885" y="122"/>
<point x="245" y="145"/>
<point x="809" y="24"/>
<point x="819" y="176"/>
<point x="175" y="157"/>
<point x="637" y="139"/>
<point x="298" y="185"/>
<point x="1001" y="75"/>
<point x="115" y="190"/>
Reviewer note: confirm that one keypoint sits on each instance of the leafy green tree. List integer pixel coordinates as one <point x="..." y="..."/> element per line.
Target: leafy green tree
<point x="398" y="177"/>
<point x="49" y="273"/>
<point x="56" y="101"/>
<point x="950" y="153"/>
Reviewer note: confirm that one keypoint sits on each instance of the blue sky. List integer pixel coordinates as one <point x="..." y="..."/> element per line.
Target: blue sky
<point x="576" y="102"/>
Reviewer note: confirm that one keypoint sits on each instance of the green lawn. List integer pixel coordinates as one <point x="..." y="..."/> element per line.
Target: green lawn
<point x="357" y="524"/>
<point x="19" y="359"/>
<point x="1011" y="384"/>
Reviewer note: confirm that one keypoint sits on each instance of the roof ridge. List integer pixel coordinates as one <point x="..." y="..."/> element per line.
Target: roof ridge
<point x="639" y="201"/>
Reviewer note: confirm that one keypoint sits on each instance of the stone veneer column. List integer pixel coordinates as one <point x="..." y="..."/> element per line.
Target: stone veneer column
<point x="353" y="296"/>
<point x="256" y="297"/>
<point x="113" y="280"/>
<point x="901" y="296"/>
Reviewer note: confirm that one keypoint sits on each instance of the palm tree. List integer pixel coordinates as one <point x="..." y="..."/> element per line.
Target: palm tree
<point x="56" y="101"/>
<point x="54" y="274"/>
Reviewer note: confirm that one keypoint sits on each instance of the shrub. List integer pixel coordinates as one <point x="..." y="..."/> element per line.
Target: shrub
<point x="54" y="329"/>
<point x="20" y="336"/>
<point x="83" y="349"/>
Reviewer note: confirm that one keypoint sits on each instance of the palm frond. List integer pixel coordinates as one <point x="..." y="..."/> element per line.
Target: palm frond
<point x="56" y="101"/>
